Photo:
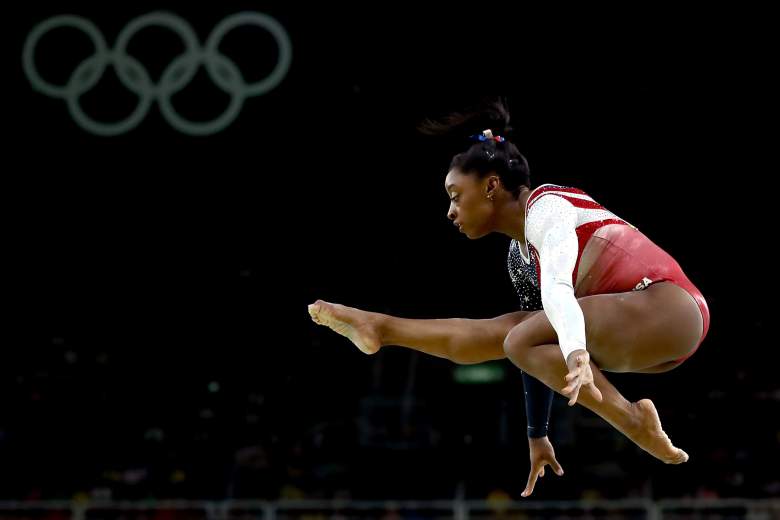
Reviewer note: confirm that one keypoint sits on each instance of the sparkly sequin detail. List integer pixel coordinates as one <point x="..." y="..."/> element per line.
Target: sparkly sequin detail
<point x="524" y="278"/>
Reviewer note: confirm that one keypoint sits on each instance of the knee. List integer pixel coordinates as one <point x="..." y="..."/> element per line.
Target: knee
<point x="517" y="347"/>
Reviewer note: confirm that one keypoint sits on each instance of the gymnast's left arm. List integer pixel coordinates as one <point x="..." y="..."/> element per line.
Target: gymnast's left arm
<point x="557" y="258"/>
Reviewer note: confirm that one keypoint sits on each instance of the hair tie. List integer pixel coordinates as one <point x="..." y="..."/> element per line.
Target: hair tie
<point x="487" y="135"/>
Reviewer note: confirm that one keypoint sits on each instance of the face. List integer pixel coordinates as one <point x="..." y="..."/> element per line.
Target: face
<point x="470" y="209"/>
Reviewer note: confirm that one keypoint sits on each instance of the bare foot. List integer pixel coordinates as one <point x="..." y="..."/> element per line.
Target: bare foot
<point x="649" y="436"/>
<point x="358" y="326"/>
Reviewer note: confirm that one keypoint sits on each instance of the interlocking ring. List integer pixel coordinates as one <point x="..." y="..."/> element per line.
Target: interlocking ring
<point x="177" y="75"/>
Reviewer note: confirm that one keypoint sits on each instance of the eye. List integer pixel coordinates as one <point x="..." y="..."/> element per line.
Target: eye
<point x="455" y="198"/>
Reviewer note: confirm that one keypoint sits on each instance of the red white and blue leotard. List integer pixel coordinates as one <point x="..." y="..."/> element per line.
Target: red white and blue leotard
<point x="559" y="222"/>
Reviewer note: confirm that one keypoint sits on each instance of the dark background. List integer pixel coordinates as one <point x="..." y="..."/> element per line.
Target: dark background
<point x="158" y="344"/>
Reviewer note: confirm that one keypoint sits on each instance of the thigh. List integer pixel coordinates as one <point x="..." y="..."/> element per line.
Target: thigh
<point x="506" y="322"/>
<point x="478" y="340"/>
<point x="628" y="331"/>
<point x="657" y="369"/>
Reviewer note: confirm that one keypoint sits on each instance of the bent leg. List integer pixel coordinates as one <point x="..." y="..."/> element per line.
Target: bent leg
<point x="643" y="331"/>
<point x="638" y="421"/>
<point x="629" y="332"/>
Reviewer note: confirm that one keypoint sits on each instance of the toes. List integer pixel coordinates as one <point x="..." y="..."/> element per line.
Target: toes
<point x="683" y="457"/>
<point x="314" y="312"/>
<point x="679" y="458"/>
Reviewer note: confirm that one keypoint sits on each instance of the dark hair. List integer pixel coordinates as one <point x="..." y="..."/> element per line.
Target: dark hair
<point x="484" y="157"/>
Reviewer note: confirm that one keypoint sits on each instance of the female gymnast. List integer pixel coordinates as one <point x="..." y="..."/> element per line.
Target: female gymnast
<point x="597" y="295"/>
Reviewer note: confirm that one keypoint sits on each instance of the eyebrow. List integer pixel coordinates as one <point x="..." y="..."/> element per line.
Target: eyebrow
<point x="449" y="186"/>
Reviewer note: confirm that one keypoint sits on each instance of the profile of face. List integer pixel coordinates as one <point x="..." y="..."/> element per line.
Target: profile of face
<point x="470" y="208"/>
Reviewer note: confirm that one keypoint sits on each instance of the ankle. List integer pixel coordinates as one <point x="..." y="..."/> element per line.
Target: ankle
<point x="382" y="326"/>
<point x="623" y="415"/>
<point x="631" y="420"/>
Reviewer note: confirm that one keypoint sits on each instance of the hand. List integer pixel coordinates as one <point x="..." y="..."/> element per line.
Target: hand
<point x="542" y="453"/>
<point x="580" y="375"/>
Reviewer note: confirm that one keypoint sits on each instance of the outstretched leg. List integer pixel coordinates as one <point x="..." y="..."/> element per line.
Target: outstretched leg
<point x="461" y="340"/>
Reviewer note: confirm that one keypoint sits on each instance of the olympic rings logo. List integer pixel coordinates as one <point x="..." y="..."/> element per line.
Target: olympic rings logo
<point x="134" y="76"/>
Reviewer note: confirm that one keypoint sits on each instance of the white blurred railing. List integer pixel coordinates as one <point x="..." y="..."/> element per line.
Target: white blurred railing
<point x="711" y="509"/>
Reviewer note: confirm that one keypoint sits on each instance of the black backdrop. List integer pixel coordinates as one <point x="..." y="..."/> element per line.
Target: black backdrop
<point x="147" y="266"/>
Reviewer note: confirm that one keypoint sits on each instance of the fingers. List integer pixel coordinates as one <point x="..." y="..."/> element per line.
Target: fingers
<point x="572" y="389"/>
<point x="539" y="472"/>
<point x="576" y="379"/>
<point x="574" y="395"/>
<point x="572" y="380"/>
<point x="529" y="487"/>
<point x="571" y="385"/>
<point x="596" y="392"/>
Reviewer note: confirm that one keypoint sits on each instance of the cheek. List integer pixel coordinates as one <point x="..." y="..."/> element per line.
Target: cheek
<point x="474" y="211"/>
<point x="479" y="210"/>
<point x="482" y="214"/>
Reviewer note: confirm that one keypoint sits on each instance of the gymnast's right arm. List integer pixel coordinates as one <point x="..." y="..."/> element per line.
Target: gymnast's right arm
<point x="538" y="401"/>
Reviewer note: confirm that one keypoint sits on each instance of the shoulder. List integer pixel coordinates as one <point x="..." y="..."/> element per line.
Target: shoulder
<point x="554" y="191"/>
<point x="549" y="199"/>
<point x="548" y="210"/>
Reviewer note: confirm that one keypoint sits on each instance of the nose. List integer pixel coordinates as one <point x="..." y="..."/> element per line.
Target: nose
<point x="451" y="214"/>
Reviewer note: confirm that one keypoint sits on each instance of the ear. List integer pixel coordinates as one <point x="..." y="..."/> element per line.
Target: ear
<point x="492" y="183"/>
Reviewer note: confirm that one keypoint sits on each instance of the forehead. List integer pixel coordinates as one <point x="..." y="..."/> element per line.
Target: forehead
<point x="457" y="179"/>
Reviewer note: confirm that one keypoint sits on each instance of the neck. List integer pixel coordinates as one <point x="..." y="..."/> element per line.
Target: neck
<point x="510" y="217"/>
